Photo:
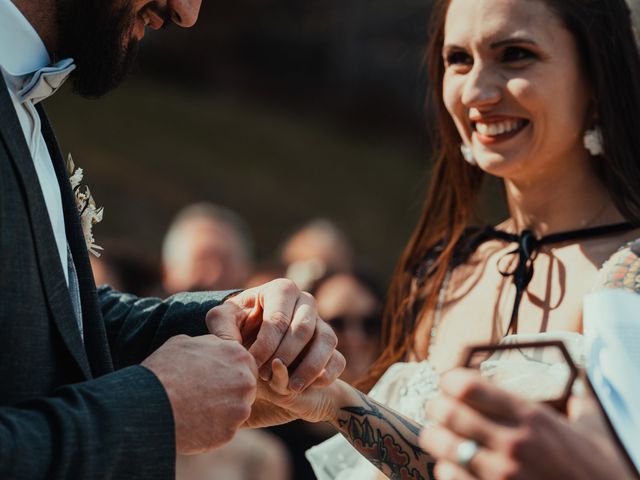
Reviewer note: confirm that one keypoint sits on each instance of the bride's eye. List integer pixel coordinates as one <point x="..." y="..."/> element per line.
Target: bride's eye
<point x="458" y="59"/>
<point x="517" y="55"/>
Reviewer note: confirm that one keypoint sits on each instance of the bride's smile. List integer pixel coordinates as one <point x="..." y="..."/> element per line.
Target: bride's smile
<point x="515" y="88"/>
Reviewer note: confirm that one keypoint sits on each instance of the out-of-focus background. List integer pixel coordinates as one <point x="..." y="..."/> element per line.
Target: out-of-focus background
<point x="278" y="109"/>
<point x="276" y="137"/>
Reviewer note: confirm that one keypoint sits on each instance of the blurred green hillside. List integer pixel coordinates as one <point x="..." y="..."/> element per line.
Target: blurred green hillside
<point x="149" y="149"/>
<point x="280" y="109"/>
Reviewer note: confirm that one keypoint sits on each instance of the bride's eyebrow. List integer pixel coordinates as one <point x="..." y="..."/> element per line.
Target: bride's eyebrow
<point x="516" y="40"/>
<point x="512" y="41"/>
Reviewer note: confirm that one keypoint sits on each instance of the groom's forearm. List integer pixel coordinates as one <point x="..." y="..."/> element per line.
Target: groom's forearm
<point x="386" y="438"/>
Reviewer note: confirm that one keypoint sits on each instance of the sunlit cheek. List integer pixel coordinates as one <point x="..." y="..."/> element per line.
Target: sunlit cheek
<point x="528" y="101"/>
<point x="522" y="91"/>
<point x="452" y="97"/>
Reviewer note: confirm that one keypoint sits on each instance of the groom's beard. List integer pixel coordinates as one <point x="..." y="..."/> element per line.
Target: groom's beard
<point x="98" y="37"/>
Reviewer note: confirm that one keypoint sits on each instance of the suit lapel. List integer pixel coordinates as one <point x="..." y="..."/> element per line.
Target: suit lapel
<point x="95" y="337"/>
<point x="51" y="272"/>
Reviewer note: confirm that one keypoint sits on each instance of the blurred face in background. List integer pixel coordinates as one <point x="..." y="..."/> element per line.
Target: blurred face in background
<point x="103" y="36"/>
<point x="208" y="256"/>
<point x="354" y="314"/>
<point x="314" y="250"/>
<point x="514" y="86"/>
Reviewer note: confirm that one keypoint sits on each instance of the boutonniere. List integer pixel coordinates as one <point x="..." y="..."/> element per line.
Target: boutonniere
<point x="89" y="213"/>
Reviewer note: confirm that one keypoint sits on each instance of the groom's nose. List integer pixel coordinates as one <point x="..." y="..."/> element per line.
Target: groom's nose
<point x="184" y="13"/>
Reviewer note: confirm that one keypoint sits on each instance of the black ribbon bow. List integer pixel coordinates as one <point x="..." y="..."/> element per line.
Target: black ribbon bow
<point x="528" y="246"/>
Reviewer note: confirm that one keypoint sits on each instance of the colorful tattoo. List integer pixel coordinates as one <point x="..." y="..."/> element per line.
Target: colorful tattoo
<point x="386" y="439"/>
<point x="623" y="269"/>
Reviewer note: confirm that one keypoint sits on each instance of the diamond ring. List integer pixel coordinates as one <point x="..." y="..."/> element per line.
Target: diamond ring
<point x="465" y="452"/>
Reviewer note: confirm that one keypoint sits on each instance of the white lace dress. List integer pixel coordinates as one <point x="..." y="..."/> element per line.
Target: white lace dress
<point x="406" y="388"/>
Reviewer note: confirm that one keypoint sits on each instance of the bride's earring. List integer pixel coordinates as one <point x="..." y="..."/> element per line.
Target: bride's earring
<point x="467" y="154"/>
<point x="593" y="141"/>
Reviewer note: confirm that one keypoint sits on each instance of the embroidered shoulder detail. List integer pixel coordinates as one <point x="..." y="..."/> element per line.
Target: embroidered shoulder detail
<point x="621" y="270"/>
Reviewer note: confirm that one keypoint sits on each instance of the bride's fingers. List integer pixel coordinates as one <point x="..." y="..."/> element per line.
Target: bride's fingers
<point x="280" y="378"/>
<point x="332" y="370"/>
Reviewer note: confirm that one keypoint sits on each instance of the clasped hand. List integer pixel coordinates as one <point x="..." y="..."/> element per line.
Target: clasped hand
<point x="212" y="381"/>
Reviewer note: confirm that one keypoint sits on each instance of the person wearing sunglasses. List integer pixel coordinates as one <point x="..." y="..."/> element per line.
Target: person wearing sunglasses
<point x="351" y="303"/>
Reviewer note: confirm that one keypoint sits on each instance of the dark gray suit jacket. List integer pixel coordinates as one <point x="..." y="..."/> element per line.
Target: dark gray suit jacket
<point x="68" y="410"/>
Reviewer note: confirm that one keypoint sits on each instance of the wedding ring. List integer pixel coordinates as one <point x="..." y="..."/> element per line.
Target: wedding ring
<point x="465" y="452"/>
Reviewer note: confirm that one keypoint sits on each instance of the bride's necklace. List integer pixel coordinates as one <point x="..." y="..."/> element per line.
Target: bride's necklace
<point x="528" y="246"/>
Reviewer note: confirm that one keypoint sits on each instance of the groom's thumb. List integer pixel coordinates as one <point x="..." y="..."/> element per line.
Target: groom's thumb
<point x="223" y="321"/>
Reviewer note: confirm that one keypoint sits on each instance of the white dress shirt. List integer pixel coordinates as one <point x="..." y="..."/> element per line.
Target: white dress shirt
<point x="22" y="53"/>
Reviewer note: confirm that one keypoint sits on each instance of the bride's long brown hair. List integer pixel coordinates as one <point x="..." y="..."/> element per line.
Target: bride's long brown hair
<point x="604" y="36"/>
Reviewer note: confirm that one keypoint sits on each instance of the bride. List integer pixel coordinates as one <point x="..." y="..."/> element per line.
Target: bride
<point x="541" y="94"/>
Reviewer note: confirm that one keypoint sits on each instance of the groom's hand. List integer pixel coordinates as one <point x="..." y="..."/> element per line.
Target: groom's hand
<point x="211" y="385"/>
<point x="277" y="320"/>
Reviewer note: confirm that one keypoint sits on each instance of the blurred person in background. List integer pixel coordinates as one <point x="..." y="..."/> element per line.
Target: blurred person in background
<point x="251" y="455"/>
<point x="207" y="247"/>
<point x="351" y="302"/>
<point x="265" y="272"/>
<point x="125" y="269"/>
<point x="315" y="249"/>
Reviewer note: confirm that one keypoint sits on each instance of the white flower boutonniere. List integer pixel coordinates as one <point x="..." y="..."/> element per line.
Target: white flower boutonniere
<point x="89" y="213"/>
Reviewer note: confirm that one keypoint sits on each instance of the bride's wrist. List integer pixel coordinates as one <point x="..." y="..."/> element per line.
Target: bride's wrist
<point x="344" y="395"/>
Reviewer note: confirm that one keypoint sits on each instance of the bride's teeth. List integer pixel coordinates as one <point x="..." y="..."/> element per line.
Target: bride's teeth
<point x="497" y="128"/>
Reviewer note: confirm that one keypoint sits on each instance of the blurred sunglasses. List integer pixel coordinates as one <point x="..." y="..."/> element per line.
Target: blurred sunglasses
<point x="370" y="325"/>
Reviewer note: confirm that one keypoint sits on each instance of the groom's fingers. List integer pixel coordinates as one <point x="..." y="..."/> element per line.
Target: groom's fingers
<point x="332" y="370"/>
<point x="280" y="379"/>
<point x="299" y="334"/>
<point x="278" y="299"/>
<point x="223" y="320"/>
<point x="314" y="359"/>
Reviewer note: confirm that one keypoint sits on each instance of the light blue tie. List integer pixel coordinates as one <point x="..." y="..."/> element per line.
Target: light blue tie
<point x="74" y="292"/>
<point x="45" y="81"/>
<point x="40" y="85"/>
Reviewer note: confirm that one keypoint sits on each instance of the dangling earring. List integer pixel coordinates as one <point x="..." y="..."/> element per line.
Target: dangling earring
<point x="467" y="154"/>
<point x="593" y="141"/>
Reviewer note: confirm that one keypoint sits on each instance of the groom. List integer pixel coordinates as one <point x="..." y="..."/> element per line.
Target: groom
<point x="95" y="383"/>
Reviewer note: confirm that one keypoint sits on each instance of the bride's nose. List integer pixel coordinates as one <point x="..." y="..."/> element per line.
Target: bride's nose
<point x="482" y="87"/>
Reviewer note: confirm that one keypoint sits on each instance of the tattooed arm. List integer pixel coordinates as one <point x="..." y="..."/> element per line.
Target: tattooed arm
<point x="386" y="438"/>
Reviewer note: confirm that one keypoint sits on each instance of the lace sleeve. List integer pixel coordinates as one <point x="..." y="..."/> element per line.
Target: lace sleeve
<point x="622" y="270"/>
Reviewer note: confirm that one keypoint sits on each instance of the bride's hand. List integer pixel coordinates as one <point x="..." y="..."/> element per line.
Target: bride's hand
<point x="276" y="404"/>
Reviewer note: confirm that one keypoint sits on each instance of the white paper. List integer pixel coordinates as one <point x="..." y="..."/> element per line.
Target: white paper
<point x="612" y="331"/>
